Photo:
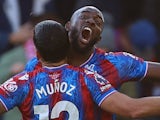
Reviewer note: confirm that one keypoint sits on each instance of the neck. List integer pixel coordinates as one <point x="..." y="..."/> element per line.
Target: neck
<point x="77" y="59"/>
<point x="49" y="64"/>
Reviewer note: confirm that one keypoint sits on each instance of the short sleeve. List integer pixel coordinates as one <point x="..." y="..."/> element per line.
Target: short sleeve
<point x="99" y="87"/>
<point x="14" y="91"/>
<point x="129" y="67"/>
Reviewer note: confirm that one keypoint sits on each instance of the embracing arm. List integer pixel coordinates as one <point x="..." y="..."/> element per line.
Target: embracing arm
<point x="153" y="69"/>
<point x="2" y="108"/>
<point x="129" y="107"/>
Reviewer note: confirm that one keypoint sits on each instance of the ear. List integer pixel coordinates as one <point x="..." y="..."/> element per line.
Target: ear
<point x="38" y="55"/>
<point x="99" y="38"/>
<point x="67" y="26"/>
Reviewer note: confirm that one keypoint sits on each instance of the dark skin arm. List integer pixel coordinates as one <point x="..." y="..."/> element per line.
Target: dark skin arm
<point x="153" y="70"/>
<point x="132" y="108"/>
<point x="2" y="108"/>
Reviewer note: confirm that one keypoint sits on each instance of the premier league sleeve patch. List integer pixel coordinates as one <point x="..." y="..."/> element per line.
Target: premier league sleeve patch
<point x="9" y="86"/>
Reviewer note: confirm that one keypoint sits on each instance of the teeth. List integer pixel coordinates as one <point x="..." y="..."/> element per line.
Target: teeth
<point x="85" y="40"/>
<point x="86" y="34"/>
<point x="89" y="29"/>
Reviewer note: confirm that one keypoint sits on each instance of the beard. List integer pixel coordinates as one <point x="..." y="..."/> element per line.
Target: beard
<point x="74" y="36"/>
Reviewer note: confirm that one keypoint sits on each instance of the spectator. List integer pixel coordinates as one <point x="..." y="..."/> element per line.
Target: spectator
<point x="13" y="14"/>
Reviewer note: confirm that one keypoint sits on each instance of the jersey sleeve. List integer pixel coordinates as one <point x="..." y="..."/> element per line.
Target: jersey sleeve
<point x="99" y="87"/>
<point x="129" y="67"/>
<point x="14" y="91"/>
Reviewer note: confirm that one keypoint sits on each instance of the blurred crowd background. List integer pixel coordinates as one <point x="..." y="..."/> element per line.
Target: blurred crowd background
<point x="130" y="25"/>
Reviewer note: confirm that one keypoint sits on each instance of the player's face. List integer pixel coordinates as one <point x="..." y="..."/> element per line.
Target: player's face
<point x="85" y="28"/>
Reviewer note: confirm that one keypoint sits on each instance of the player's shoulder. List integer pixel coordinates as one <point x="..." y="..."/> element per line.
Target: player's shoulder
<point x="21" y="76"/>
<point x="101" y="52"/>
<point x="80" y="70"/>
<point x="18" y="79"/>
<point x="122" y="55"/>
<point x="26" y="75"/>
<point x="32" y="64"/>
<point x="115" y="57"/>
<point x="74" y="68"/>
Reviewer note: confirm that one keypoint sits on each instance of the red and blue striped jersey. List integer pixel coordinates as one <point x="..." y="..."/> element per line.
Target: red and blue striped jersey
<point x="116" y="67"/>
<point x="63" y="93"/>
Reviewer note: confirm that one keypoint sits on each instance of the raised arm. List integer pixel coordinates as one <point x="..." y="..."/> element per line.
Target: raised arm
<point x="153" y="70"/>
<point x="129" y="107"/>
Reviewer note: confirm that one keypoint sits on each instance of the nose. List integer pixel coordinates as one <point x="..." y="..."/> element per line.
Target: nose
<point x="90" y="21"/>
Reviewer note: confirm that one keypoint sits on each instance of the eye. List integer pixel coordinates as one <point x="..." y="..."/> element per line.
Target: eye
<point x="83" y="17"/>
<point x="98" y="22"/>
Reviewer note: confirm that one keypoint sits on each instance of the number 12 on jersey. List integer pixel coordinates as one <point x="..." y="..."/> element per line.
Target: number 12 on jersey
<point x="67" y="106"/>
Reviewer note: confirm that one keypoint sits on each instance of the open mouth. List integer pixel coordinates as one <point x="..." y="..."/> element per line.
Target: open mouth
<point x="86" y="34"/>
